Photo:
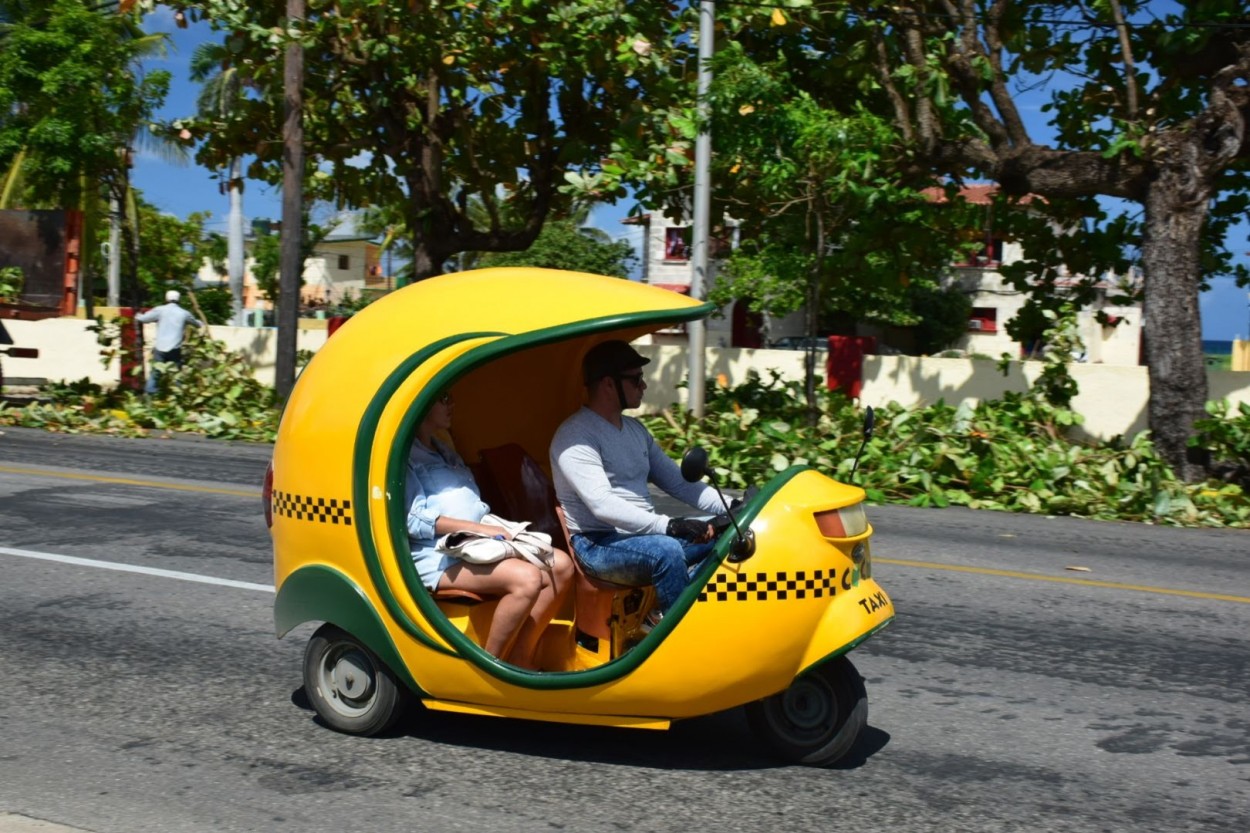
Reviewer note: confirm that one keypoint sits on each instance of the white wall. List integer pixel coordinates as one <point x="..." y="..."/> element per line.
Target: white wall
<point x="68" y="351"/>
<point x="1112" y="398"/>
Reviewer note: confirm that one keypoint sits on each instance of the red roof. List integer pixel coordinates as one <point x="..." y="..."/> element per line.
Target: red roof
<point x="978" y="194"/>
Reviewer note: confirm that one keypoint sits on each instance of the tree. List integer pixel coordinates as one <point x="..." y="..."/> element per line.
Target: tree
<point x="267" y="255"/>
<point x="835" y="218"/>
<point x="431" y="103"/>
<point x="220" y="95"/>
<point x="171" y="252"/>
<point x="563" y="245"/>
<point x="72" y="104"/>
<point x="1155" y="113"/>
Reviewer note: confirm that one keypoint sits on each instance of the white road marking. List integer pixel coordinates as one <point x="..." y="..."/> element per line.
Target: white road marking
<point x="131" y="568"/>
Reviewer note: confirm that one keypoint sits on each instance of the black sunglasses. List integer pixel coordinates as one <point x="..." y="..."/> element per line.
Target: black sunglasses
<point x="635" y="378"/>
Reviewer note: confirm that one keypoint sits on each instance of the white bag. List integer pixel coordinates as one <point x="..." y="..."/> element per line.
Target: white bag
<point x="477" y="548"/>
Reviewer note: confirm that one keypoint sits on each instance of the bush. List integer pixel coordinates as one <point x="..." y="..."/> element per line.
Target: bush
<point x="1010" y="454"/>
<point x="213" y="394"/>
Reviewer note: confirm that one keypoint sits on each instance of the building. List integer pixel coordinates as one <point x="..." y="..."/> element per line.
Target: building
<point x="346" y="264"/>
<point x="995" y="301"/>
<point x="665" y="260"/>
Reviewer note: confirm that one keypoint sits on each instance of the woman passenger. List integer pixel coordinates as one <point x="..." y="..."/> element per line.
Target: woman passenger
<point x="442" y="498"/>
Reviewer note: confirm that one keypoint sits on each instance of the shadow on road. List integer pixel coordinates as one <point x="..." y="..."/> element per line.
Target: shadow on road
<point x="720" y="742"/>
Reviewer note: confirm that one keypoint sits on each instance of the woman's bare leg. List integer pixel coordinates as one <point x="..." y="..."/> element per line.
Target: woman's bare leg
<point x="517" y="583"/>
<point x="556" y="585"/>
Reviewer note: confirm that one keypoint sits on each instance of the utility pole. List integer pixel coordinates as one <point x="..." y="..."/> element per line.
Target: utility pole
<point x="115" y="253"/>
<point x="292" y="205"/>
<point x="702" y="206"/>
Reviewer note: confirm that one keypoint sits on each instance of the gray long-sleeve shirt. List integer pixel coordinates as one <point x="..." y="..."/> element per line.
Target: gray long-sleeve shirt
<point x="601" y="473"/>
<point x="170" y="320"/>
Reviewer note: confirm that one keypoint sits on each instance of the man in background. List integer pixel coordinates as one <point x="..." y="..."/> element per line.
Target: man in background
<point x="171" y="321"/>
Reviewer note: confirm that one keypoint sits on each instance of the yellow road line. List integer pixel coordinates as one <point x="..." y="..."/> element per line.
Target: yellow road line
<point x="1085" y="582"/>
<point x="126" y="481"/>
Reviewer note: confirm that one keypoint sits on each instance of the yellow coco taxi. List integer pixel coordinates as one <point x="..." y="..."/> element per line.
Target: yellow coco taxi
<point x="765" y="623"/>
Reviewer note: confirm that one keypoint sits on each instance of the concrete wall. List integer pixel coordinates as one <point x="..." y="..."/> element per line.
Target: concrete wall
<point x="1112" y="398"/>
<point x="68" y="351"/>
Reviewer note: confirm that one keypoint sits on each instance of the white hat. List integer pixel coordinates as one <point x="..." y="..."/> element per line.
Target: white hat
<point x="173" y="295"/>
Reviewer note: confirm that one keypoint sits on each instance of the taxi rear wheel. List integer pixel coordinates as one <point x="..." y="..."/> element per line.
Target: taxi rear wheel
<point x="817" y="719"/>
<point x="350" y="688"/>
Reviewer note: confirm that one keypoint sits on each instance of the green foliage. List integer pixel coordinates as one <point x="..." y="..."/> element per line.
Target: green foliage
<point x="213" y="394"/>
<point x="1008" y="454"/>
<point x="943" y="315"/>
<point x="498" y="101"/>
<point x="267" y="254"/>
<point x="266" y="264"/>
<point x="171" y="252"/>
<point x="1226" y="434"/>
<point x="11" y="282"/>
<point x="562" y="245"/>
<point x="1063" y="343"/>
<point x="71" y="97"/>
<point x="216" y="303"/>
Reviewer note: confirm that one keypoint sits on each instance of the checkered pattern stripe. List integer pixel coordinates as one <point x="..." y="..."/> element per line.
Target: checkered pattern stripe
<point x="762" y="587"/>
<point x="308" y="508"/>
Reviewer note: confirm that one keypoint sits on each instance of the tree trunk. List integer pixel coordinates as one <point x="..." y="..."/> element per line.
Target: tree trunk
<point x="234" y="239"/>
<point x="1176" y="207"/>
<point x="292" y="258"/>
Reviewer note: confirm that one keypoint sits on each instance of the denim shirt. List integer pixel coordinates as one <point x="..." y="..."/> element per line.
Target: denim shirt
<point x="437" y="483"/>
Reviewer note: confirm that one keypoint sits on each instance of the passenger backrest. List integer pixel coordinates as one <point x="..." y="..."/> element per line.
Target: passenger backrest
<point x="518" y="489"/>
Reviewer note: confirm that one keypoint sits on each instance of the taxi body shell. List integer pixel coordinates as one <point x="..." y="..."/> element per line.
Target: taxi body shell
<point x="508" y="343"/>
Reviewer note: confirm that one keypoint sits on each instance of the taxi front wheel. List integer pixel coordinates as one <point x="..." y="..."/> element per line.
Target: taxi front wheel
<point x="817" y="719"/>
<point x="351" y="689"/>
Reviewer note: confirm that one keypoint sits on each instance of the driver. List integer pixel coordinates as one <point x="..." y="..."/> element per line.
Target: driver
<point x="601" y="462"/>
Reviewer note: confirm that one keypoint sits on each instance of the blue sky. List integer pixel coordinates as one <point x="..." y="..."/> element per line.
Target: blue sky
<point x="181" y="190"/>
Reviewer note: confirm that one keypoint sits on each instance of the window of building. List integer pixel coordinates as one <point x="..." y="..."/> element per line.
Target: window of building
<point x="677" y="243"/>
<point x="988" y="255"/>
<point x="345" y="261"/>
<point x="983" y="320"/>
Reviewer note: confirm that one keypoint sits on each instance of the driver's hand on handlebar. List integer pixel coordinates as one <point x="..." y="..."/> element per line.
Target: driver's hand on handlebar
<point x="690" y="529"/>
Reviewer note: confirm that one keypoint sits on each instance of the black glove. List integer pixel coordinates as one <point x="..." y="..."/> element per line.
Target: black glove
<point x="687" y="528"/>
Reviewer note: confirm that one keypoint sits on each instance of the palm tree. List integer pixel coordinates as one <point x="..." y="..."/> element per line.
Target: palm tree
<point x="92" y="184"/>
<point x="219" y="99"/>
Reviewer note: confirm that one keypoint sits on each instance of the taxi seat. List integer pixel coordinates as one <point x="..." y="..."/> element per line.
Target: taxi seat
<point x="516" y="487"/>
<point x="454" y="594"/>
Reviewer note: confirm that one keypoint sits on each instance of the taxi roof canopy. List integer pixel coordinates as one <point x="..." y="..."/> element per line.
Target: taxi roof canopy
<point x="507" y="343"/>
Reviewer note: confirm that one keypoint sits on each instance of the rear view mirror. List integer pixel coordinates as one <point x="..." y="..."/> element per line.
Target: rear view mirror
<point x="694" y="465"/>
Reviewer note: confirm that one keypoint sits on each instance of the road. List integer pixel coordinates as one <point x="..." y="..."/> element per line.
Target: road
<point x="1012" y="693"/>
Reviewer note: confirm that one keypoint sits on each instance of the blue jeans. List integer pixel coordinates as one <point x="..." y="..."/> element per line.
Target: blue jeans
<point x="174" y="356"/>
<point x="639" y="560"/>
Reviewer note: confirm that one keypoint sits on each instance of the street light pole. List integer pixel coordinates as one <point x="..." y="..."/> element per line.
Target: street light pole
<point x="702" y="207"/>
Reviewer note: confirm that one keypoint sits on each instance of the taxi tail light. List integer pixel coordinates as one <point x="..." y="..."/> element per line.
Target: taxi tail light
<point x="847" y="522"/>
<point x="266" y="496"/>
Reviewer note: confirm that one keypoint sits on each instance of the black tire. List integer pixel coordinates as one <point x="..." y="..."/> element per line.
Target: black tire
<point x="350" y="688"/>
<point x="817" y="719"/>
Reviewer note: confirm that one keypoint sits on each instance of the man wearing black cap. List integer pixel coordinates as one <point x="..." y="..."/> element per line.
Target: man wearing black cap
<point x="601" y="462"/>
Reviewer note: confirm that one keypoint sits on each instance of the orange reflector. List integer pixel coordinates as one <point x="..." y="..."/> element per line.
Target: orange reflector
<point x="847" y="522"/>
<point x="830" y="524"/>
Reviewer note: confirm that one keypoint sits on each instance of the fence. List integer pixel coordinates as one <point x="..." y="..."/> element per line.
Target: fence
<point x="1112" y="398"/>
